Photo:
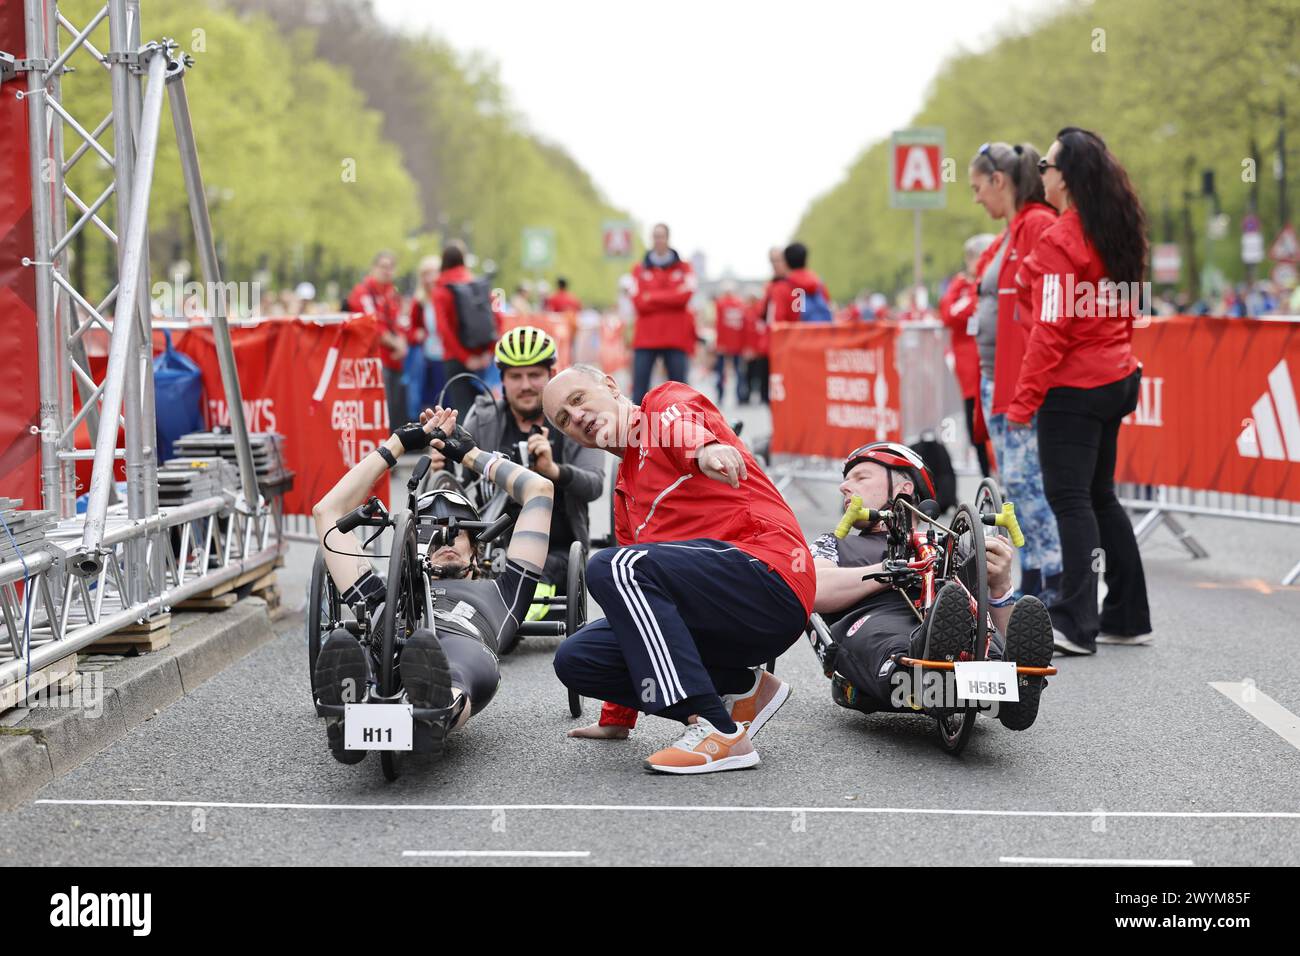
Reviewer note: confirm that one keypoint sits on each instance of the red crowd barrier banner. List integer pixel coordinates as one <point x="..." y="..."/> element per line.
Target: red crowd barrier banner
<point x="1218" y="408"/>
<point x="833" y="387"/>
<point x="320" y="386"/>
<point x="20" y="399"/>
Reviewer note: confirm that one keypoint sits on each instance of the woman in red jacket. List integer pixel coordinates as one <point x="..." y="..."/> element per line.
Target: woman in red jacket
<point x="1080" y="377"/>
<point x="1006" y="182"/>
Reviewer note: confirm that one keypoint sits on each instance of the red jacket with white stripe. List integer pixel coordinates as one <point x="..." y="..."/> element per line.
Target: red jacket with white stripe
<point x="955" y="308"/>
<point x="1083" y="335"/>
<point x="730" y="319"/>
<point x="1014" y="313"/>
<point x="662" y="297"/>
<point x="661" y="494"/>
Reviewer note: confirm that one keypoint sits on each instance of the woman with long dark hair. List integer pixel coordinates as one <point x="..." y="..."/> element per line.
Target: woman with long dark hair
<point x="1080" y="377"/>
<point x="1005" y="180"/>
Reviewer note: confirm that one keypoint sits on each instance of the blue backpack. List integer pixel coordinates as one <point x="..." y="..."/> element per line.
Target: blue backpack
<point x="815" y="309"/>
<point x="178" y="397"/>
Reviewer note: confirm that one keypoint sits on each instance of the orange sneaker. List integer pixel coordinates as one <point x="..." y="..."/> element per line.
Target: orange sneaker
<point x="757" y="707"/>
<point x="704" y="749"/>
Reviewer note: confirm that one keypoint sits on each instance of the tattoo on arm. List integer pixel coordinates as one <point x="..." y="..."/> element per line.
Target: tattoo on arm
<point x="537" y="504"/>
<point x="540" y="536"/>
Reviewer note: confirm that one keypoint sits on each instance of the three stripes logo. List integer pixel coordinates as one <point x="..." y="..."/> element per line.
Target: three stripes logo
<point x="1273" y="429"/>
<point x="669" y="415"/>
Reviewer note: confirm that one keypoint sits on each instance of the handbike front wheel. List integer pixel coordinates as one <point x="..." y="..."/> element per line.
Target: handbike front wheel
<point x="965" y="562"/>
<point x="575" y="607"/>
<point x="403" y="608"/>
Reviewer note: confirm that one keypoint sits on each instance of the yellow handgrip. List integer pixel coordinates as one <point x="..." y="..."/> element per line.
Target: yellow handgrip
<point x="853" y="514"/>
<point x="1008" y="520"/>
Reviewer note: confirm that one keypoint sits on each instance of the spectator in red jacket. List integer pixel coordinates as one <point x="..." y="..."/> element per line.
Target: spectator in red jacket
<point x="665" y="325"/>
<point x="562" y="300"/>
<point x="457" y="359"/>
<point x="729" y="324"/>
<point x="376" y="295"/>
<point x="955" y="309"/>
<point x="1080" y="377"/>
<point x="791" y="291"/>
<point x="1006" y="182"/>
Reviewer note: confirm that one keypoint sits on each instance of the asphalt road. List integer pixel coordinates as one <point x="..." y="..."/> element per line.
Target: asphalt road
<point x="1135" y="756"/>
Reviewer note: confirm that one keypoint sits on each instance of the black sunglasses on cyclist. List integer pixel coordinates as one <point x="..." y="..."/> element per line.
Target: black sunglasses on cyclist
<point x="1044" y="166"/>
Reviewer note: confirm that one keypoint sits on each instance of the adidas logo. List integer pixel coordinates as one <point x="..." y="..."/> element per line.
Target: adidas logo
<point x="669" y="416"/>
<point x="1273" y="429"/>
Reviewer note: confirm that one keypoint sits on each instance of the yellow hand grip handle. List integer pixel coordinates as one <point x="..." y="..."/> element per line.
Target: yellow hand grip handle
<point x="854" y="513"/>
<point x="1008" y="520"/>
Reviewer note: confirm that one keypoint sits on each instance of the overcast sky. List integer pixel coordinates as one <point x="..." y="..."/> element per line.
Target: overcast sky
<point x="722" y="118"/>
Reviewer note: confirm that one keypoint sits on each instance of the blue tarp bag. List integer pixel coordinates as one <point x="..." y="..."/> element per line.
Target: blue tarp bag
<point x="178" y="397"/>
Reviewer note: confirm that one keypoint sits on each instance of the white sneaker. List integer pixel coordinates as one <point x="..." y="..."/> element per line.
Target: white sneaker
<point x="1067" y="646"/>
<point x="1140" y="640"/>
<point x="704" y="749"/>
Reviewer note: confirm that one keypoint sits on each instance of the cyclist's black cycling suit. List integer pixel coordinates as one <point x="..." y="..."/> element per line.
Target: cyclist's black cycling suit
<point x="473" y="619"/>
<point x="869" y="636"/>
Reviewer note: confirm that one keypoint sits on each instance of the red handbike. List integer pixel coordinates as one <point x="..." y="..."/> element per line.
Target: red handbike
<point x="922" y="555"/>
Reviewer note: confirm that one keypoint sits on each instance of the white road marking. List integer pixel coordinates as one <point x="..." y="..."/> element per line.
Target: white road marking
<point x="671" y="808"/>
<point x="1086" y="861"/>
<point x="507" y="853"/>
<point x="1263" y="708"/>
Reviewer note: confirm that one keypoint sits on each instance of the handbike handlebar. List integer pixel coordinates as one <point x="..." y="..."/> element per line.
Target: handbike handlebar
<point x="371" y="514"/>
<point x="855" y="513"/>
<point x="1007" y="519"/>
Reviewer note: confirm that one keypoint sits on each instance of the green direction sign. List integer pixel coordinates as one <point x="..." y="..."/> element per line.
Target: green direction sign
<point x="538" y="248"/>
<point x="916" y="169"/>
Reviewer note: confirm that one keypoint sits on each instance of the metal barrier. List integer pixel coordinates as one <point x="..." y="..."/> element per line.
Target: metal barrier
<point x="198" y="546"/>
<point x="1158" y="505"/>
<point x="119" y="563"/>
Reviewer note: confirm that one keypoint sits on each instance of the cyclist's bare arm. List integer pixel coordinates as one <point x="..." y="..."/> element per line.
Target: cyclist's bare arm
<point x="841" y="588"/>
<point x="350" y="492"/>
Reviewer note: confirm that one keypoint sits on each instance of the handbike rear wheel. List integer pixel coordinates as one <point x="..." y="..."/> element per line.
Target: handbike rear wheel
<point x="988" y="500"/>
<point x="575" y="607"/>
<point x="964" y="561"/>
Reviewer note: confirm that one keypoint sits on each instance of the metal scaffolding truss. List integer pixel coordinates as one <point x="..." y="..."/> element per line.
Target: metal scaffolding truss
<point x="124" y="559"/>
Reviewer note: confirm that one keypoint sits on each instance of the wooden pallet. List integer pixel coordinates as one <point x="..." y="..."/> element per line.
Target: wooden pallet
<point x="62" y="674"/>
<point x="152" y="635"/>
<point x="235" y="583"/>
<point x="218" y="603"/>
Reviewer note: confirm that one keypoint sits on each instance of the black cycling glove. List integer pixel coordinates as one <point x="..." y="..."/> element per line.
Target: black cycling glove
<point x="413" y="436"/>
<point x="456" y="445"/>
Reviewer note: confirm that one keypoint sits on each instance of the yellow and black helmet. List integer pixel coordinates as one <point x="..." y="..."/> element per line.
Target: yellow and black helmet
<point x="525" y="346"/>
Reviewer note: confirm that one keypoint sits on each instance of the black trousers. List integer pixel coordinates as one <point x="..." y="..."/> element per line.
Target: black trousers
<point x="395" y="392"/>
<point x="1078" y="429"/>
<point x="981" y="447"/>
<point x="759" y="374"/>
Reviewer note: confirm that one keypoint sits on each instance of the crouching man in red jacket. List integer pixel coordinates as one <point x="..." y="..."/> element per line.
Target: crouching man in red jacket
<point x="713" y="579"/>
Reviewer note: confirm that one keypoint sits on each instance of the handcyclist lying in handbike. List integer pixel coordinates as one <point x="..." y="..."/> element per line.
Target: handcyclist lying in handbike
<point x="874" y="624"/>
<point x="457" y="667"/>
